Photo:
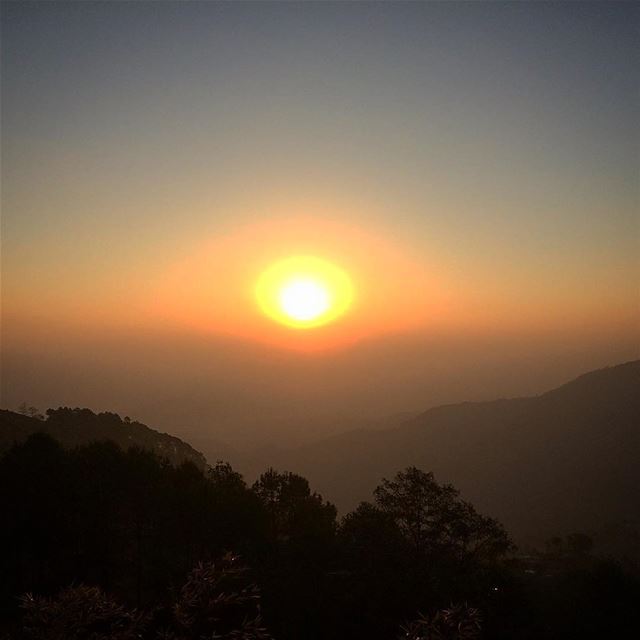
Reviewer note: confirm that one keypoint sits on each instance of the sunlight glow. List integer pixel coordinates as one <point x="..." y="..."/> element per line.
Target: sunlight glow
<point x="304" y="292"/>
<point x="304" y="299"/>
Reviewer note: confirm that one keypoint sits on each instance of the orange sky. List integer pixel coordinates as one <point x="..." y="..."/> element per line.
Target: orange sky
<point x="473" y="167"/>
<point x="212" y="289"/>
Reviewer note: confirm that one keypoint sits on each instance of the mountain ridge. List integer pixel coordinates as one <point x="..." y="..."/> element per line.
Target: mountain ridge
<point x="76" y="426"/>
<point x="555" y="462"/>
<point x="528" y="461"/>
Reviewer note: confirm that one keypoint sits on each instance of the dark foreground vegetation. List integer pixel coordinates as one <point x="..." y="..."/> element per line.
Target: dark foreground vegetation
<point x="102" y="543"/>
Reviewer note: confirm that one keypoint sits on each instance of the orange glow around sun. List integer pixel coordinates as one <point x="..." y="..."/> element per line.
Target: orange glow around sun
<point x="300" y="283"/>
<point x="304" y="292"/>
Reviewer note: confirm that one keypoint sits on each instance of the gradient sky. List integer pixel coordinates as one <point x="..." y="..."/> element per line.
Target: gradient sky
<point x="492" y="146"/>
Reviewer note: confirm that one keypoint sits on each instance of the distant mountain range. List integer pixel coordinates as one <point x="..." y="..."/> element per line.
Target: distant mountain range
<point x="73" y="427"/>
<point x="567" y="460"/>
<point x="563" y="461"/>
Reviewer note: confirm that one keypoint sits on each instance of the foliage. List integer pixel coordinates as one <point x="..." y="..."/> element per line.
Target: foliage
<point x="134" y="526"/>
<point x="75" y="426"/>
<point x="294" y="511"/>
<point x="125" y="520"/>
<point x="419" y="542"/>
<point x="458" y="622"/>
<point x="79" y="613"/>
<point x="434" y="519"/>
<point x="32" y="412"/>
<point x="217" y="601"/>
<point x="300" y="536"/>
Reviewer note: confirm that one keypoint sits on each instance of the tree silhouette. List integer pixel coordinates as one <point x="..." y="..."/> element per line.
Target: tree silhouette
<point x="294" y="511"/>
<point x="32" y="412"/>
<point x="133" y="526"/>
<point x="435" y="520"/>
<point x="419" y="544"/>
<point x="301" y="533"/>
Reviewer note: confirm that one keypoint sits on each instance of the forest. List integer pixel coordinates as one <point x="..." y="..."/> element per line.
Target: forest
<point x="102" y="542"/>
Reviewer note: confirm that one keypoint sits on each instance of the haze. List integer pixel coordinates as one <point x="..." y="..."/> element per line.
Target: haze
<point x="472" y="166"/>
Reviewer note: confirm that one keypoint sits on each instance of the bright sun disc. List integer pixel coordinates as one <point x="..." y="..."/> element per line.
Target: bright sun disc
<point x="304" y="292"/>
<point x="304" y="299"/>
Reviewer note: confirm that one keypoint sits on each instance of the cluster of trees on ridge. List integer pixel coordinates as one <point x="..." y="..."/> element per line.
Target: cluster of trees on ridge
<point x="75" y="426"/>
<point x="101" y="542"/>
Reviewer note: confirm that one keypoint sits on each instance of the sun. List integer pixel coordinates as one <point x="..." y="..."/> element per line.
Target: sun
<point x="304" y="299"/>
<point x="304" y="292"/>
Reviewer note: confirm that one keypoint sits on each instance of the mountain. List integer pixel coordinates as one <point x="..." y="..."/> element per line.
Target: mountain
<point x="79" y="426"/>
<point x="563" y="461"/>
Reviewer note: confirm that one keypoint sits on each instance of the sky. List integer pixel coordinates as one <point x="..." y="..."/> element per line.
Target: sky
<point x="472" y="166"/>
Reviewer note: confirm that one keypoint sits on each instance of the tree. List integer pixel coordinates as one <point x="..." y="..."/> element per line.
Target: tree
<point x="32" y="412"/>
<point x="419" y="545"/>
<point x="238" y="521"/>
<point x="369" y="527"/>
<point x="377" y="580"/>
<point x="294" y="511"/>
<point x="222" y="475"/>
<point x="435" y="520"/>
<point x="301" y="533"/>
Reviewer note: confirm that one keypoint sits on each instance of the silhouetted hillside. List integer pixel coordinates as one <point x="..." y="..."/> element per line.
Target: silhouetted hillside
<point x="120" y="525"/>
<point x="74" y="427"/>
<point x="565" y="460"/>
